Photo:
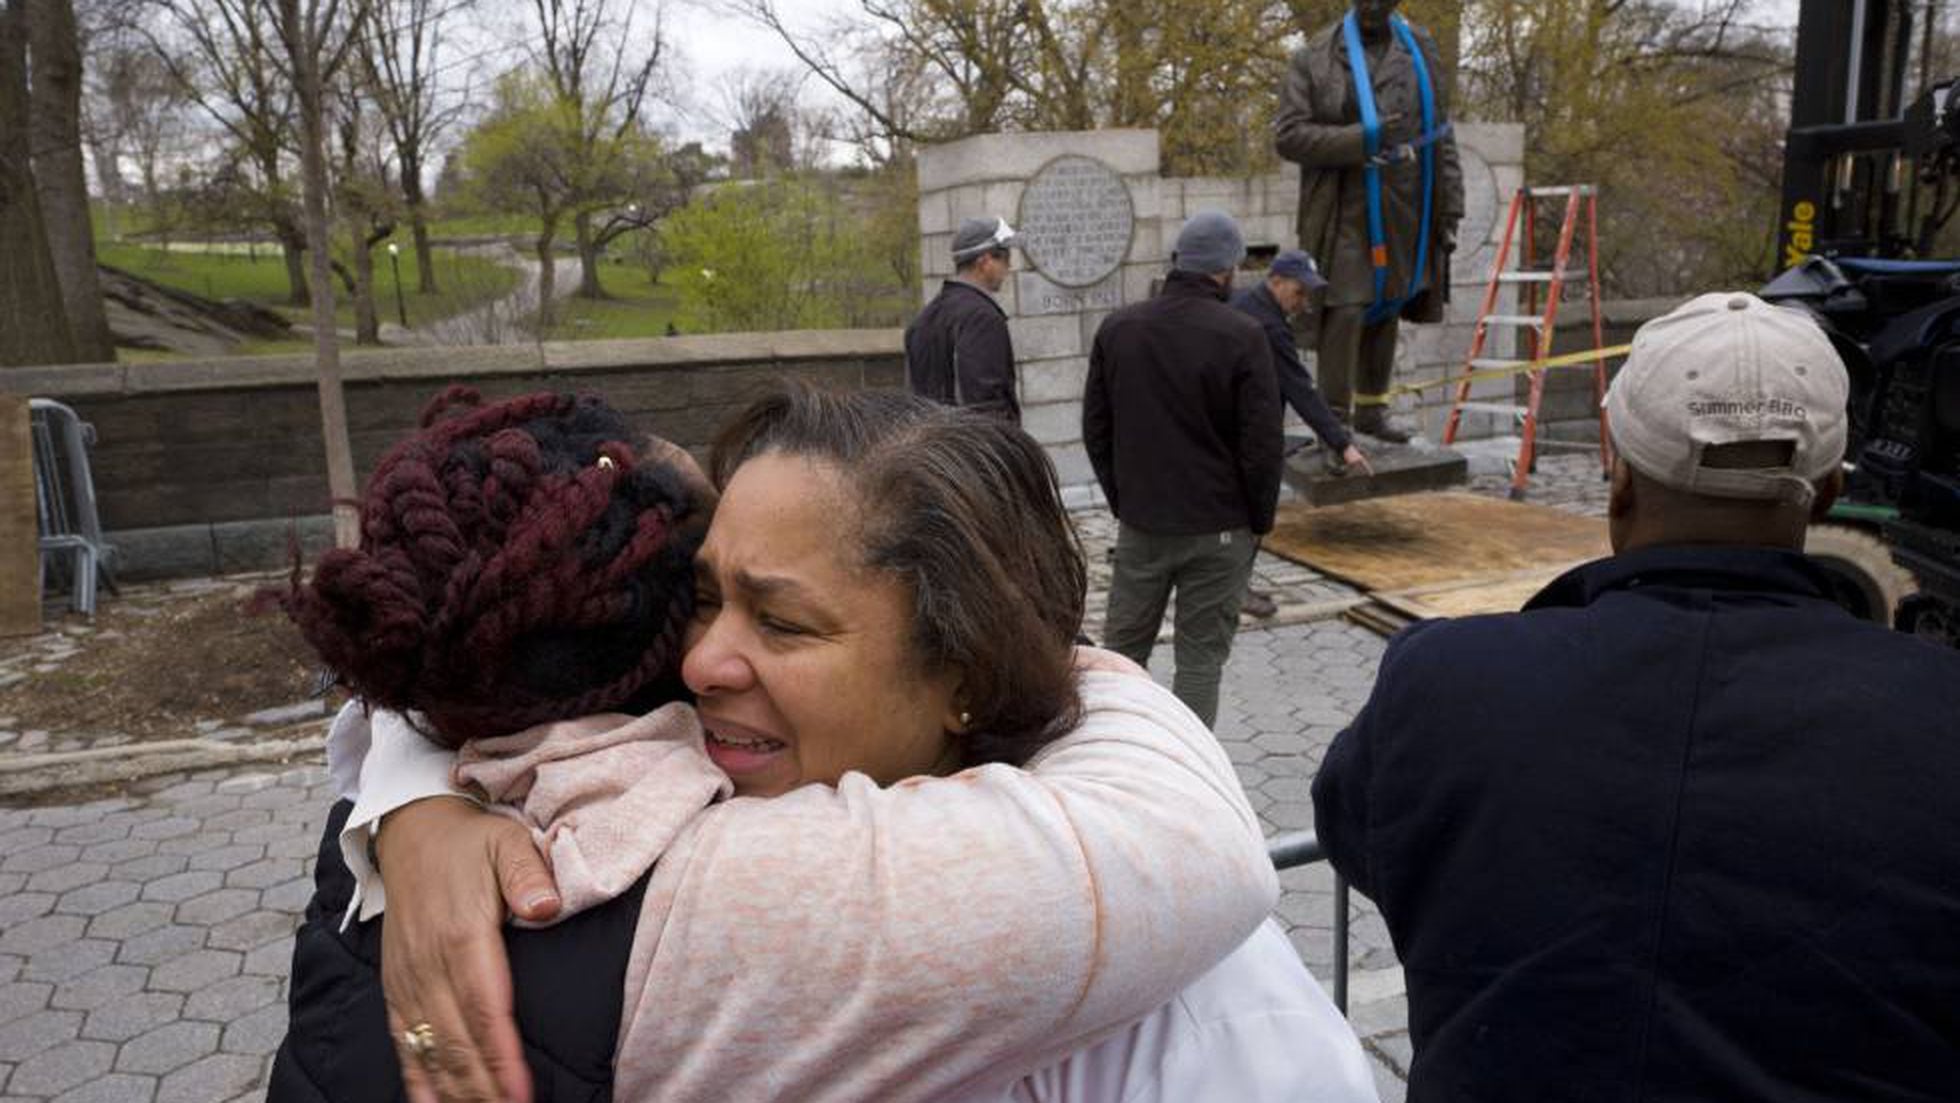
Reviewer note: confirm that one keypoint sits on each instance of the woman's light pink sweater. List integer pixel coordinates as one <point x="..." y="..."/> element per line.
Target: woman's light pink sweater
<point x="929" y="939"/>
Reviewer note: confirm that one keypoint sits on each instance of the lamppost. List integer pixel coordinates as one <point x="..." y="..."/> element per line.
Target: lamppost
<point x="395" y="261"/>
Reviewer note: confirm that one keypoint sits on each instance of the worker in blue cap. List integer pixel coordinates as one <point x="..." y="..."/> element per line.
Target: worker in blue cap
<point x="1274" y="301"/>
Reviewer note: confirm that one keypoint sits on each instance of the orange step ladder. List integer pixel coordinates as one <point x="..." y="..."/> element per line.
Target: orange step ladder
<point x="1537" y="326"/>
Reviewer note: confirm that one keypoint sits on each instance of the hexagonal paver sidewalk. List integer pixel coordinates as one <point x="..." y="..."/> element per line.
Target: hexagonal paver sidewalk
<point x="145" y="941"/>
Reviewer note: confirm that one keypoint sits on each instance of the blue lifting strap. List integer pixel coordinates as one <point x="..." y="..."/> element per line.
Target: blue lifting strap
<point x="1384" y="307"/>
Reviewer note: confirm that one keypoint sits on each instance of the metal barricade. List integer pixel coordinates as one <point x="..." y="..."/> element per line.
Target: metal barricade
<point x="1299" y="848"/>
<point x="64" y="495"/>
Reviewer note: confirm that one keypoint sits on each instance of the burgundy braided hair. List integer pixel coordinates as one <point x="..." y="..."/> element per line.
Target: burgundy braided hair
<point x="516" y="566"/>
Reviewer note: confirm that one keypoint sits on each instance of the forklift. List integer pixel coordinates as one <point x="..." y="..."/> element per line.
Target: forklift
<point x="1869" y="182"/>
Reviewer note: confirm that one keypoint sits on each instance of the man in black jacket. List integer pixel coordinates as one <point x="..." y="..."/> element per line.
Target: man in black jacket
<point x="957" y="350"/>
<point x="1181" y="420"/>
<point x="1683" y="828"/>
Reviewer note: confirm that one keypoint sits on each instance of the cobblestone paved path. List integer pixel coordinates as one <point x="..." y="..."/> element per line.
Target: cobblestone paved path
<point x="145" y="941"/>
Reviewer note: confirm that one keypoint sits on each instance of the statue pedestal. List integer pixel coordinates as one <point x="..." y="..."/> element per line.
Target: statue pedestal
<point x="1399" y="469"/>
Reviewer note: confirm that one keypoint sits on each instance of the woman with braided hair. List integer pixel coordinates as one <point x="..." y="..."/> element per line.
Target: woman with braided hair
<point x="981" y="851"/>
<point x="518" y="565"/>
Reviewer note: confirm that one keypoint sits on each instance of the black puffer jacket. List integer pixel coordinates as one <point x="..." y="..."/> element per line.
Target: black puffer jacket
<point x="338" y="1048"/>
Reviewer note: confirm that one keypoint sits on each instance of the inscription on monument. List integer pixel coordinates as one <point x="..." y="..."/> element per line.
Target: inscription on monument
<point x="1037" y="294"/>
<point x="1076" y="220"/>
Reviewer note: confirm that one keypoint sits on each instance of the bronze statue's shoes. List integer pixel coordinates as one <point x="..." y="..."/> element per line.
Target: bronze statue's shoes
<point x="1376" y="422"/>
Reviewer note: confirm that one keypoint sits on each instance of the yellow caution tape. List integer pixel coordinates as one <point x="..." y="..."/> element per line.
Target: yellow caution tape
<point x="1571" y="359"/>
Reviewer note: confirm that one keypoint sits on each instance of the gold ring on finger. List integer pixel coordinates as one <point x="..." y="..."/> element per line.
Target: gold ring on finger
<point x="420" y="1040"/>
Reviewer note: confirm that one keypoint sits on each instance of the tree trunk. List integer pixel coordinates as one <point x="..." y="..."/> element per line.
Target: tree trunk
<point x="56" y="99"/>
<point x="588" y="257"/>
<point x="292" y="243"/>
<point x="33" y="328"/>
<point x="418" y="223"/>
<point x="547" y="277"/>
<point x="367" y="324"/>
<point x="303" y="43"/>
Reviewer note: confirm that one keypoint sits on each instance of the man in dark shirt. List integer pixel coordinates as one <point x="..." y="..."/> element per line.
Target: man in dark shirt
<point x="1181" y="420"/>
<point x="957" y="350"/>
<point x="1273" y="303"/>
<point x="1683" y="828"/>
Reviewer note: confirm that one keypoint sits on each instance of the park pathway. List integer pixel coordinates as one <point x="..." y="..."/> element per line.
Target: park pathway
<point x="495" y="322"/>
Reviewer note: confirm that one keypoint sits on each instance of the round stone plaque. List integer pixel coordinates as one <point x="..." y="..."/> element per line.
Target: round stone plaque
<point x="1076" y="220"/>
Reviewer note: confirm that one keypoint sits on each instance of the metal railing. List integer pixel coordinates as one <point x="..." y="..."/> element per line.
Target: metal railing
<point x="1300" y="848"/>
<point x="64" y="496"/>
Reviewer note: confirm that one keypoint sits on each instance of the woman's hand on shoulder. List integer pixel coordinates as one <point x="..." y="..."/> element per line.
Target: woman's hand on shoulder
<point x="451" y="870"/>
<point x="1095" y="658"/>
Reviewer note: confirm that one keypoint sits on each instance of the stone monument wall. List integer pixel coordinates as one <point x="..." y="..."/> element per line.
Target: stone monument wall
<point x="1078" y="263"/>
<point x="1057" y="189"/>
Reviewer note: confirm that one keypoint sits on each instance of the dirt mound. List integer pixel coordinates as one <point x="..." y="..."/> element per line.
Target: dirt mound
<point x="152" y="666"/>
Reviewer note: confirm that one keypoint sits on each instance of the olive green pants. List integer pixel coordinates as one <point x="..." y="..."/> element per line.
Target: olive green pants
<point x="1208" y="573"/>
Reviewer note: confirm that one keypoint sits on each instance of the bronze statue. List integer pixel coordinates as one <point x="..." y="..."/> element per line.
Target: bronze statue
<point x="1365" y="113"/>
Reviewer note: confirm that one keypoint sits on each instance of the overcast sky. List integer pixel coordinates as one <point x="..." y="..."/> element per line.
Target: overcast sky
<point x="714" y="45"/>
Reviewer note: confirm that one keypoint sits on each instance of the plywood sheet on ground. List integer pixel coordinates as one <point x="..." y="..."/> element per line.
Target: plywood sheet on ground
<point x="1436" y="542"/>
<point x="1501" y="594"/>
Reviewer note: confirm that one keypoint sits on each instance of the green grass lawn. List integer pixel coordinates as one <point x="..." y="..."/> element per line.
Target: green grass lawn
<point x="260" y="277"/>
<point x="636" y="308"/>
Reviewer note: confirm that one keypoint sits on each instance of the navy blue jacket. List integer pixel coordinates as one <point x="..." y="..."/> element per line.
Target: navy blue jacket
<point x="1683" y="829"/>
<point x="1296" y="383"/>
<point x="569" y="980"/>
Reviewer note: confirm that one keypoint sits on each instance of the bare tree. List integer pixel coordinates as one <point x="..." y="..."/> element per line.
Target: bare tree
<point x="319" y="36"/>
<point x="230" y="66"/>
<point x="55" y="95"/>
<point x="942" y="69"/>
<point x="367" y="200"/>
<point x="33" y="327"/>
<point x="399" y="57"/>
<point x="136" y="111"/>
<point x="601" y="70"/>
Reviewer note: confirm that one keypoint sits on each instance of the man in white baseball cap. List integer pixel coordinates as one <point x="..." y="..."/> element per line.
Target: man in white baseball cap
<point x="1730" y="398"/>
<point x="1683" y="828"/>
<point x="958" y="350"/>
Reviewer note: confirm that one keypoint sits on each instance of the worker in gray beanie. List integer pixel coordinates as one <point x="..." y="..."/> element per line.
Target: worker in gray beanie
<point x="1209" y="242"/>
<point x="1181" y="420"/>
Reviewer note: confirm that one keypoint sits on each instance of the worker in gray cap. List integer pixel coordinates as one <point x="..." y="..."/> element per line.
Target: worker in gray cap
<point x="1181" y="420"/>
<point x="957" y="350"/>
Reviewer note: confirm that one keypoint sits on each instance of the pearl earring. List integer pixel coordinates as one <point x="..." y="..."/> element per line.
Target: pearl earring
<point x="966" y="718"/>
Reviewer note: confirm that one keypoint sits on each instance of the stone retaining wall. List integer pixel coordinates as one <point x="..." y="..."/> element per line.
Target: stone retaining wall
<point x="206" y="466"/>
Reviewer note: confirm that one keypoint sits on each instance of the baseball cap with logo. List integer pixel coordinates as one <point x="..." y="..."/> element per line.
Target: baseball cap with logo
<point x="1728" y="368"/>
